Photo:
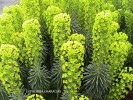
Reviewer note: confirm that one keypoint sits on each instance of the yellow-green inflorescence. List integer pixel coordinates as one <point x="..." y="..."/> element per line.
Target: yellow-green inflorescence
<point x="119" y="52"/>
<point x="6" y="28"/>
<point x="60" y="32"/>
<point x="77" y="37"/>
<point x="35" y="97"/>
<point x="17" y="16"/>
<point x="31" y="9"/>
<point x="82" y="97"/>
<point x="72" y="56"/>
<point x="49" y="15"/>
<point x="32" y="41"/>
<point x="9" y="68"/>
<point x="91" y="8"/>
<point x="102" y="36"/>
<point x="110" y="47"/>
<point x="122" y="86"/>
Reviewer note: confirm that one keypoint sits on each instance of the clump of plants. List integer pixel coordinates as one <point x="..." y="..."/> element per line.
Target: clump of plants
<point x="73" y="49"/>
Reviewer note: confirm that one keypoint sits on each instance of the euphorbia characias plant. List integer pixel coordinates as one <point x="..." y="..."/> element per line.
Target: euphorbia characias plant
<point x="60" y="32"/>
<point x="72" y="56"/>
<point x="32" y="41"/>
<point x="79" y="47"/>
<point x="91" y="8"/>
<point x="119" y="52"/>
<point x="122" y="85"/>
<point x="9" y="69"/>
<point x="6" y="28"/>
<point x="102" y="37"/>
<point x="17" y="16"/>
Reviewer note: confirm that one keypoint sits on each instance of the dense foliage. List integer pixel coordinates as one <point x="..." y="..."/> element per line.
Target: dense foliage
<point x="66" y="50"/>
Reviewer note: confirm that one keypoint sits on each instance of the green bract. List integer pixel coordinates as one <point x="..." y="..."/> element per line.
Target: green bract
<point x="72" y="57"/>
<point x="9" y="68"/>
<point x="77" y="37"/>
<point x="82" y="97"/>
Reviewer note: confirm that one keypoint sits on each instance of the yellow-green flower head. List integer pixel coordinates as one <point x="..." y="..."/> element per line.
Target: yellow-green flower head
<point x="35" y="97"/>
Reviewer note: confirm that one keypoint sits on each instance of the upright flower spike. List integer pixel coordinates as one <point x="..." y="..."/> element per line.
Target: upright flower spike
<point x="32" y="38"/>
<point x="91" y="8"/>
<point x="6" y="28"/>
<point x="72" y="56"/>
<point x="49" y="15"/>
<point x="18" y="41"/>
<point x="129" y="24"/>
<point x="9" y="69"/>
<point x="60" y="32"/>
<point x="45" y="4"/>
<point x="10" y="26"/>
<point x="31" y="9"/>
<point x="119" y="50"/>
<point x="17" y="16"/>
<point x="81" y="12"/>
<point x="103" y="29"/>
<point x="111" y="48"/>
<point x="104" y="37"/>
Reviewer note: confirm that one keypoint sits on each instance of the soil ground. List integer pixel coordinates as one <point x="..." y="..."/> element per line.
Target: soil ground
<point x="129" y="96"/>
